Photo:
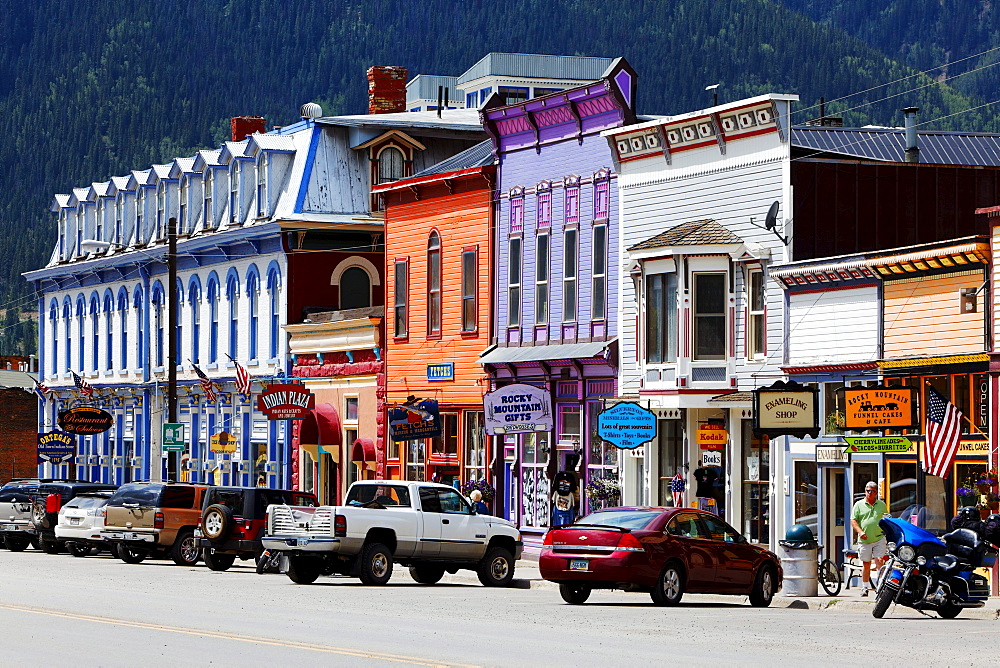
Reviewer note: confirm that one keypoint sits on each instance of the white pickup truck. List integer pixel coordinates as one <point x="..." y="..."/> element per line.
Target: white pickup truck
<point x="429" y="527"/>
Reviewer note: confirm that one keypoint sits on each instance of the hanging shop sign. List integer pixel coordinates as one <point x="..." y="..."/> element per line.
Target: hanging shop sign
<point x="880" y="407"/>
<point x="877" y="444"/>
<point x="626" y="425"/>
<point x="223" y="443"/>
<point x="786" y="409"/>
<point x="711" y="457"/>
<point x="85" y="420"/>
<point x="414" y="419"/>
<point x="286" y="402"/>
<point x="518" y="408"/>
<point x="56" y="447"/>
<point x="712" y="436"/>
<point x="832" y="454"/>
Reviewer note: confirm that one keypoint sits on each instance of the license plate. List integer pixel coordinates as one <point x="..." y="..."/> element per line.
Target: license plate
<point x="75" y="520"/>
<point x="10" y="527"/>
<point x="579" y="565"/>
<point x="130" y="536"/>
<point x="301" y="541"/>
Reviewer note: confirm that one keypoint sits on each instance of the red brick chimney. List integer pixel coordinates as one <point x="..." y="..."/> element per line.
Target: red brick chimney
<point x="386" y="89"/>
<point x="244" y="126"/>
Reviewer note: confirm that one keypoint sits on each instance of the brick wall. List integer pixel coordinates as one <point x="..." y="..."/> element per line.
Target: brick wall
<point x="18" y="434"/>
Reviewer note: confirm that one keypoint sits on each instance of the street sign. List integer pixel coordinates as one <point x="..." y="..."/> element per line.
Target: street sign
<point x="173" y="437"/>
<point x="877" y="443"/>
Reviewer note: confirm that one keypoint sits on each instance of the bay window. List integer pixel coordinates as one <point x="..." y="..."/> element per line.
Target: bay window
<point x="661" y="318"/>
<point x="709" y="316"/>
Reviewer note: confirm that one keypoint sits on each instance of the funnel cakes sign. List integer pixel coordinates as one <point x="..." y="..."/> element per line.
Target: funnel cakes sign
<point x="880" y="407"/>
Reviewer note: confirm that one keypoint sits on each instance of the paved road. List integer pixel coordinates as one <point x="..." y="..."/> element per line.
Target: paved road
<point x="65" y="611"/>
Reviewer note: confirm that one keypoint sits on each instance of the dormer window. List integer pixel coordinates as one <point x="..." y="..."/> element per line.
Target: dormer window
<point x="234" y="193"/>
<point x="99" y="230"/>
<point x="79" y="230"/>
<point x="182" y="214"/>
<point x="119" y="217"/>
<point x="161" y="207"/>
<point x="62" y="234"/>
<point x="262" y="186"/>
<point x="390" y="165"/>
<point x="140" y="202"/>
<point x="209" y="213"/>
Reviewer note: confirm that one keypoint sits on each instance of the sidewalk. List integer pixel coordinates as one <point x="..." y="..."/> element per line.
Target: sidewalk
<point x="526" y="576"/>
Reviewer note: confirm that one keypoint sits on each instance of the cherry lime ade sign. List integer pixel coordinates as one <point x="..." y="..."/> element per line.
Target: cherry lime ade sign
<point x="626" y="425"/>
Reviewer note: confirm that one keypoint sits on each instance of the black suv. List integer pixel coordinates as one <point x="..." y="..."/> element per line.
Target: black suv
<point x="48" y="498"/>
<point x="233" y="520"/>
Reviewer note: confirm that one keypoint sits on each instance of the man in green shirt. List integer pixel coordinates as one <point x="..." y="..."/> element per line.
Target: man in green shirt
<point x="871" y="541"/>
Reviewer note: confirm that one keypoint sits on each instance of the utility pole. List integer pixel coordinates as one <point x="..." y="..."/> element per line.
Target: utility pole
<point x="174" y="459"/>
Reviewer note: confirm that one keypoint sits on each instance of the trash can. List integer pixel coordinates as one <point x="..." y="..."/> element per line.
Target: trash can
<point x="799" y="561"/>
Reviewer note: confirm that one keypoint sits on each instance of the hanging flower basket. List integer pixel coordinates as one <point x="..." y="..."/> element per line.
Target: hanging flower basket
<point x="485" y="488"/>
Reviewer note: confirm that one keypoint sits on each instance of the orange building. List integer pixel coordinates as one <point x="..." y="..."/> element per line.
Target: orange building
<point x="438" y="276"/>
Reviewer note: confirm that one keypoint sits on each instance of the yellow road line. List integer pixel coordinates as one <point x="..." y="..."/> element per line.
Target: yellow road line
<point x="292" y="644"/>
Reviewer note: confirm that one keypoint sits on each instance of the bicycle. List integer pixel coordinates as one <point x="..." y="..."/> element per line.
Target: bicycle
<point x="829" y="577"/>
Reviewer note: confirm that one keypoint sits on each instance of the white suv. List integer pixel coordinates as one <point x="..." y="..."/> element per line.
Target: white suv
<point x="81" y="521"/>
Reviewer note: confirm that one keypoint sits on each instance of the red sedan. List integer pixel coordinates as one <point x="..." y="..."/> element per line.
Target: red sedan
<point x="665" y="551"/>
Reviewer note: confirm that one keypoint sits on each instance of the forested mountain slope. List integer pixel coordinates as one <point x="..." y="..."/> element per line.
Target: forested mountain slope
<point x="93" y="89"/>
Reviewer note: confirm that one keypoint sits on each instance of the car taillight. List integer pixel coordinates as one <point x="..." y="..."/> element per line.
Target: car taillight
<point x="629" y="543"/>
<point x="52" y="503"/>
<point x="339" y="526"/>
<point x="101" y="512"/>
<point x="548" y="538"/>
<point x="158" y="521"/>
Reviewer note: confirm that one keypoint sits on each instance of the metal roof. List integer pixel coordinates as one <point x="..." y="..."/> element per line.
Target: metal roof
<point x="451" y="119"/>
<point x="479" y="155"/>
<point x="889" y="144"/>
<point x="21" y="379"/>
<point x="536" y="66"/>
<point x="425" y="87"/>
<point x="562" y="351"/>
<point x="268" y="142"/>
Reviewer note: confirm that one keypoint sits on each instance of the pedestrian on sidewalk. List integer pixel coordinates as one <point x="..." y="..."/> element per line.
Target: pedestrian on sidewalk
<point x="477" y="500"/>
<point x="865" y="517"/>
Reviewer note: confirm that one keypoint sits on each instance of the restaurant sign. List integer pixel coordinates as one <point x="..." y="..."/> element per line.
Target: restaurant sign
<point x="414" y="420"/>
<point x="518" y="408"/>
<point x="56" y="447"/>
<point x="786" y="409"/>
<point x="286" y="402"/>
<point x="626" y="425"/>
<point x="85" y="420"/>
<point x="879" y="407"/>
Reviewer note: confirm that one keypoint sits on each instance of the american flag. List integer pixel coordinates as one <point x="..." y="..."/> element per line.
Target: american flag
<point x="42" y="391"/>
<point x="206" y="384"/>
<point x="944" y="430"/>
<point x="82" y="385"/>
<point x="243" y="379"/>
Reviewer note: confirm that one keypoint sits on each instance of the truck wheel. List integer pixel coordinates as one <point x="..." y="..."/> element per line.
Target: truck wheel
<point x="132" y="555"/>
<point x="185" y="550"/>
<point x="497" y="568"/>
<point x="574" y="593"/>
<point x="217" y="562"/>
<point x="303" y="570"/>
<point x="217" y="522"/>
<point x="79" y="549"/>
<point x="376" y="564"/>
<point x="426" y="574"/>
<point x="15" y="544"/>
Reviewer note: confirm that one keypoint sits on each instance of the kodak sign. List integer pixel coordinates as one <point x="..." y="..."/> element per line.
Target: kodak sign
<point x="712" y="437"/>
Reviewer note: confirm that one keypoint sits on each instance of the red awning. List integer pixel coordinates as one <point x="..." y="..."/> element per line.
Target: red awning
<point x="321" y="427"/>
<point x="363" y="454"/>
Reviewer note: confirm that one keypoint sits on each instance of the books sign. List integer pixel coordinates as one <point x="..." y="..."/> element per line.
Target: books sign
<point x="286" y="402"/>
<point x="517" y="408"/>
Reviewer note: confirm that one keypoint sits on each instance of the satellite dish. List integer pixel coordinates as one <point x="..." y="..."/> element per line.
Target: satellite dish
<point x="772" y="217"/>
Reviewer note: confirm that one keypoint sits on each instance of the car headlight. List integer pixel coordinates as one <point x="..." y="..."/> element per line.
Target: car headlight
<point x="907" y="553"/>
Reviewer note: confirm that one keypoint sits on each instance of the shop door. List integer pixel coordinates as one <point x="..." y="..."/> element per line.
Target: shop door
<point x="330" y="482"/>
<point x="835" y="497"/>
<point x="671" y="458"/>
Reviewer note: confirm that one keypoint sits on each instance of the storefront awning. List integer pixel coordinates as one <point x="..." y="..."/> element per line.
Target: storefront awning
<point x="321" y="429"/>
<point x="564" y="351"/>
<point x="363" y="454"/>
<point x="739" y="398"/>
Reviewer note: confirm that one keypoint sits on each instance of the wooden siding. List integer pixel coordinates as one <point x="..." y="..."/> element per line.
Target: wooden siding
<point x="995" y="287"/>
<point x="835" y="326"/>
<point x="462" y="219"/>
<point x="922" y="316"/>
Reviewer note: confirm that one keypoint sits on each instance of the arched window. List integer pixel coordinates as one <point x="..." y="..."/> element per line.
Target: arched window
<point x="194" y="299"/>
<point x="213" y="320"/>
<point x="208" y="211"/>
<point x="434" y="284"/>
<point x="81" y="331"/>
<point x="140" y="329"/>
<point x="123" y="328"/>
<point x="54" y="333"/>
<point x="95" y="335"/>
<point x="253" y="283"/>
<point x="158" y="314"/>
<point x="232" y="295"/>
<point x="390" y="165"/>
<point x="355" y="289"/>
<point x="68" y="331"/>
<point x="109" y="330"/>
<point x="273" y="287"/>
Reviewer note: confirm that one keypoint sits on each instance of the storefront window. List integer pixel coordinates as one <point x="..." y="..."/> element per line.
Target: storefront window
<point x="805" y="494"/>
<point x="981" y="401"/>
<point x="832" y="415"/>
<point x="902" y="481"/>
<point x="756" y="476"/>
<point x="534" y="482"/>
<point x="864" y="472"/>
<point x="308" y="473"/>
<point x="447" y="443"/>
<point x="961" y="397"/>
<point x="602" y="457"/>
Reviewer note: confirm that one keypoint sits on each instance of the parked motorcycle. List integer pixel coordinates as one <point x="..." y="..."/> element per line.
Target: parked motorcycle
<point x="925" y="572"/>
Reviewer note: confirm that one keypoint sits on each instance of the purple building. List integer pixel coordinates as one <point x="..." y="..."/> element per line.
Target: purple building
<point x="556" y="271"/>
